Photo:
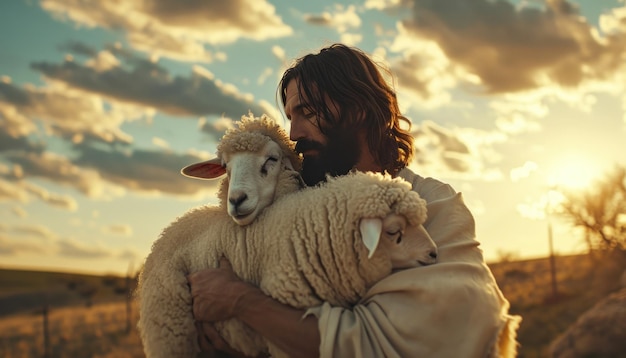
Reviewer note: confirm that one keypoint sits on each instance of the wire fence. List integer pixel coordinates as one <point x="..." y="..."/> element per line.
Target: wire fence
<point x="101" y="330"/>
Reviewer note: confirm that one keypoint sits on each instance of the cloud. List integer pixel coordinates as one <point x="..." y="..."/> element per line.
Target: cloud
<point x="19" y="212"/>
<point x="62" y="248"/>
<point x="519" y="114"/>
<point x="22" y="191"/>
<point x="60" y="170"/>
<point x="100" y="172"/>
<point x="460" y="152"/>
<point x="11" y="247"/>
<point x="146" y="83"/>
<point x="10" y="190"/>
<point x="524" y="171"/>
<point x="513" y="49"/>
<point x="160" y="142"/>
<point x="66" y="113"/>
<point x="179" y="30"/>
<point x="279" y="53"/>
<point x="340" y="18"/>
<point x="144" y="171"/>
<point x="33" y="231"/>
<point x="60" y="201"/>
<point x="119" y="229"/>
<point x="77" y="249"/>
<point x="381" y="4"/>
<point x="422" y="70"/>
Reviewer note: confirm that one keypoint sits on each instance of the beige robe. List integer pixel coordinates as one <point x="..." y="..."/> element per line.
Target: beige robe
<point x="453" y="308"/>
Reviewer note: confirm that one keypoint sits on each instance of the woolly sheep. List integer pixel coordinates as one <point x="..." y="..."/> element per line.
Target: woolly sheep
<point x="260" y="163"/>
<point x="289" y="252"/>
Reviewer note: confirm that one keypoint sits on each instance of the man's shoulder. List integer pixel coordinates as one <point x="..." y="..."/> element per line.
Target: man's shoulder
<point x="428" y="188"/>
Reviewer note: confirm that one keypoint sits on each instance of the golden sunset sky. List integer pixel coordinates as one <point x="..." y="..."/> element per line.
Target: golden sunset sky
<point x="103" y="102"/>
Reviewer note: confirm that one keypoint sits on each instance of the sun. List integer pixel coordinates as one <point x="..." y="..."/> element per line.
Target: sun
<point x="573" y="171"/>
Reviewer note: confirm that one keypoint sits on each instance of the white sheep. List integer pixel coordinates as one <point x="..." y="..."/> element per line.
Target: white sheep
<point x="260" y="163"/>
<point x="289" y="251"/>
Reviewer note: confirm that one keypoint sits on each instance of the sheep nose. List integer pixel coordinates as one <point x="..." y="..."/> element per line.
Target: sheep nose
<point x="238" y="199"/>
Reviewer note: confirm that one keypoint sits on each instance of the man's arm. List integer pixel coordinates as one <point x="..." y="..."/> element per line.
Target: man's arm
<point x="218" y="294"/>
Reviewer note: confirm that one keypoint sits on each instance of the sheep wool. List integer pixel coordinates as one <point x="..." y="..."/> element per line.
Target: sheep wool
<point x="163" y="291"/>
<point x="303" y="249"/>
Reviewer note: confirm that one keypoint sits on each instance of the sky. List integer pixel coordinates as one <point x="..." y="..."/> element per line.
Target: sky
<point x="103" y="102"/>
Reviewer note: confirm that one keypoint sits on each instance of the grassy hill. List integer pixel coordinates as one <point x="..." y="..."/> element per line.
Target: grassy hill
<point x="88" y="315"/>
<point x="581" y="281"/>
<point x="24" y="291"/>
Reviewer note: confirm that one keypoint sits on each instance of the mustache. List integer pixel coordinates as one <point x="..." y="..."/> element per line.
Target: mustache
<point x="305" y="144"/>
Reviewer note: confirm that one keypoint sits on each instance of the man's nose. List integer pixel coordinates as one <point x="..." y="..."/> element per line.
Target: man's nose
<point x="295" y="132"/>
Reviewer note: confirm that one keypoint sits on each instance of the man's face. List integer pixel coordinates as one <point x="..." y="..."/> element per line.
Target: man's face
<point x="335" y="153"/>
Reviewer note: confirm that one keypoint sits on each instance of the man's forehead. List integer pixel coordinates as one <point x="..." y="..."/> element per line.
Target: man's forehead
<point x="294" y="100"/>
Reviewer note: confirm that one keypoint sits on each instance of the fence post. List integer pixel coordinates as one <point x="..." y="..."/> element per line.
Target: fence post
<point x="46" y="332"/>
<point x="128" y="304"/>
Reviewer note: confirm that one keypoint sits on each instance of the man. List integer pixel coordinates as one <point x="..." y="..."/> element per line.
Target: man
<point x="344" y="116"/>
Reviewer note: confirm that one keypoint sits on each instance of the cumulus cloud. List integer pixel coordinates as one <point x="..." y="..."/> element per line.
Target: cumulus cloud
<point x="179" y="30"/>
<point x="511" y="49"/>
<point x="340" y="18"/>
<point x="12" y="247"/>
<point x="19" y="211"/>
<point x="60" y="201"/>
<point x="33" y="231"/>
<point x="119" y="229"/>
<point x="279" y="53"/>
<point x="60" y="170"/>
<point x="100" y="172"/>
<point x="460" y="152"/>
<point x="524" y="171"/>
<point x="66" y="113"/>
<point x="520" y="114"/>
<point x="76" y="249"/>
<point x="422" y="70"/>
<point x="145" y="83"/>
<point x="143" y="170"/>
<point x="160" y="142"/>
<point x="23" y="191"/>
<point x="9" y="190"/>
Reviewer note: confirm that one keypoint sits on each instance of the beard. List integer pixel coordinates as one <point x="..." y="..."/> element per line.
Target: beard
<point x="337" y="157"/>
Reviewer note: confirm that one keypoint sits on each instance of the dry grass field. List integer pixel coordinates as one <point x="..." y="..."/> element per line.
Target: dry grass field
<point x="97" y="327"/>
<point x="96" y="331"/>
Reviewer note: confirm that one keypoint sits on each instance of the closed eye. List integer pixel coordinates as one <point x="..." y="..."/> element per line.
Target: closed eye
<point x="398" y="233"/>
<point x="268" y="161"/>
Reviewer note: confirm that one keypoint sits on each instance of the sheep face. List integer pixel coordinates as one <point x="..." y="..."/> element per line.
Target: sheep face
<point x="252" y="179"/>
<point x="407" y="245"/>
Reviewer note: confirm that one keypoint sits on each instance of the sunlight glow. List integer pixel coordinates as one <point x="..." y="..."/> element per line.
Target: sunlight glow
<point x="573" y="171"/>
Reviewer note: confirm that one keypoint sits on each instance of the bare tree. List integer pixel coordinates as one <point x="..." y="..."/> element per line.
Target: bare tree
<point x="600" y="211"/>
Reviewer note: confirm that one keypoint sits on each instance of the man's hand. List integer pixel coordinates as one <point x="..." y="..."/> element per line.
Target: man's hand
<point x="216" y="292"/>
<point x="212" y="345"/>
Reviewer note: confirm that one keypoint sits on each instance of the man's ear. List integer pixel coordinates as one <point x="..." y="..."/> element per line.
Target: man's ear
<point x="210" y="169"/>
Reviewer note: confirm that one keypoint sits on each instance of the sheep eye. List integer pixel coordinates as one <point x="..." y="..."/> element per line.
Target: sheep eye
<point x="267" y="162"/>
<point x="394" y="233"/>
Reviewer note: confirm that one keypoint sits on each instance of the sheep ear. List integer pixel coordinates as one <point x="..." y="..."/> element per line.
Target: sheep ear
<point x="209" y="169"/>
<point x="371" y="228"/>
<point x="287" y="163"/>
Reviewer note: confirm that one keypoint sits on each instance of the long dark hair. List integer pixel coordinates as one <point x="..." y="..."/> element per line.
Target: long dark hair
<point x="348" y="77"/>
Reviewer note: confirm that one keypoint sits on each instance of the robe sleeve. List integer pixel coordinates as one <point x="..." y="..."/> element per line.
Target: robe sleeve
<point x="453" y="308"/>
